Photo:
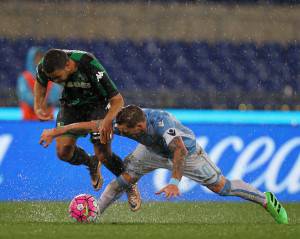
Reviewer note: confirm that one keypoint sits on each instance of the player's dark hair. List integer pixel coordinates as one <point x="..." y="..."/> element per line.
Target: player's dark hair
<point x="130" y="115"/>
<point x="54" y="59"/>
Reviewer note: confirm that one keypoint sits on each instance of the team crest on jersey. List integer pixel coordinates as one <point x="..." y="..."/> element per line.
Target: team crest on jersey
<point x="100" y="75"/>
<point x="171" y="132"/>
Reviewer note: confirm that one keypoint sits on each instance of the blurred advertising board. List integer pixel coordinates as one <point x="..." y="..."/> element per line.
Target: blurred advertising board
<point x="265" y="155"/>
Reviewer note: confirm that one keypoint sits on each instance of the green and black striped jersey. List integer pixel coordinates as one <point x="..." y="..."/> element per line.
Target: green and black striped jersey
<point x="89" y="85"/>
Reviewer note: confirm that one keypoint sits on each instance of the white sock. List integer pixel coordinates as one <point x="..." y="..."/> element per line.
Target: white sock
<point x="112" y="192"/>
<point x="244" y="190"/>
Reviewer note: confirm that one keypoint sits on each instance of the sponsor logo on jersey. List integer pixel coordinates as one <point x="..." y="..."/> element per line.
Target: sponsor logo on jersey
<point x="161" y="123"/>
<point x="85" y="85"/>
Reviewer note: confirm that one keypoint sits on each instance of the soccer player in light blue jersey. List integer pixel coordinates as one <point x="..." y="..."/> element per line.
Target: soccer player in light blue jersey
<point x="165" y="143"/>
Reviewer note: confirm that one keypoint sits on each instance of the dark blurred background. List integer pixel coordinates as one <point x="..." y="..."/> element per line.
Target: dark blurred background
<point x="181" y="54"/>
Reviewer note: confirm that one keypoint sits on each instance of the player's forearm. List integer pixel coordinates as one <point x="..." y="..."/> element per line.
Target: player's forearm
<point x="39" y="95"/>
<point x="81" y="127"/>
<point x="179" y="153"/>
<point x="178" y="163"/>
<point x="116" y="104"/>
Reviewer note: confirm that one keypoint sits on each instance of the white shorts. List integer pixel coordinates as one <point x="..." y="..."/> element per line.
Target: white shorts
<point x="197" y="167"/>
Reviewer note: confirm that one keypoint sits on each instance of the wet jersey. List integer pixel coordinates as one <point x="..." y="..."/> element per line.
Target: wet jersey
<point x="162" y="128"/>
<point x="89" y="85"/>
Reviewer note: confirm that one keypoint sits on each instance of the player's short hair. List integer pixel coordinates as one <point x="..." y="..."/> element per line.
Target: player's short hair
<point x="130" y="115"/>
<point x="54" y="59"/>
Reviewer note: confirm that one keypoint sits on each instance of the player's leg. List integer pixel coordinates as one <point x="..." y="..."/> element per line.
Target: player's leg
<point x="115" y="164"/>
<point x="109" y="159"/>
<point x="66" y="147"/>
<point x="201" y="169"/>
<point x="115" y="189"/>
<point x="122" y="183"/>
<point x="239" y="188"/>
<point x="68" y="151"/>
<point x="137" y="164"/>
<point x="65" y="150"/>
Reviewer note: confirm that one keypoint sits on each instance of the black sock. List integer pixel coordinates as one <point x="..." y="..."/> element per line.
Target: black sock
<point x="80" y="157"/>
<point x="115" y="164"/>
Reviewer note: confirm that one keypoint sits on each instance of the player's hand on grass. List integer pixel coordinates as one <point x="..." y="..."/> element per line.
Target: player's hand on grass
<point x="44" y="115"/>
<point x="105" y="131"/>
<point x="47" y="137"/>
<point x="170" y="190"/>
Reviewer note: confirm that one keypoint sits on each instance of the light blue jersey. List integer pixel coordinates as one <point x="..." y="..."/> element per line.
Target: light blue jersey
<point x="162" y="128"/>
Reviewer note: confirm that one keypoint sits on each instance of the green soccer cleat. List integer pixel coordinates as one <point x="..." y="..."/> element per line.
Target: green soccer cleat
<point x="276" y="209"/>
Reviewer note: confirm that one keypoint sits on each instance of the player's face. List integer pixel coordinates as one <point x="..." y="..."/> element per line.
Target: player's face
<point x="135" y="131"/>
<point x="61" y="75"/>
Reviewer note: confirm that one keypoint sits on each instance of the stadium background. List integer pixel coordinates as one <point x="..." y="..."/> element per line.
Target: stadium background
<point x="200" y="55"/>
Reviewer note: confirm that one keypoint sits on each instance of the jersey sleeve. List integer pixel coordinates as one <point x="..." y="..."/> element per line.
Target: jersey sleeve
<point x="41" y="76"/>
<point x="99" y="76"/>
<point x="166" y="128"/>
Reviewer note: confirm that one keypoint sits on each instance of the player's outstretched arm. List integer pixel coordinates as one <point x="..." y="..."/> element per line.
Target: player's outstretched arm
<point x="82" y="127"/>
<point x="179" y="153"/>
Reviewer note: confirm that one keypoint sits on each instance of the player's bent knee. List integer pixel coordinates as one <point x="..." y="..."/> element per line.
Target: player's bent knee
<point x="65" y="153"/>
<point x="102" y="158"/>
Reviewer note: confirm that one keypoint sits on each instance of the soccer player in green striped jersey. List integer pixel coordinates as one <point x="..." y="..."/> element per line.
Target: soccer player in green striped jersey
<point x="88" y="94"/>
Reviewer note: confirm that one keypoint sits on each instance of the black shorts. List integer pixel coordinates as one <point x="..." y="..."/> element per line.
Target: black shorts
<point x="68" y="115"/>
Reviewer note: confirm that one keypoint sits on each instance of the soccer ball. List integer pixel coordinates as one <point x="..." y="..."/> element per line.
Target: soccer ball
<point x="83" y="208"/>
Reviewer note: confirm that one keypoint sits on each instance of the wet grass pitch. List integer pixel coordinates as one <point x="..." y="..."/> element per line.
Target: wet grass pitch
<point x="154" y="220"/>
